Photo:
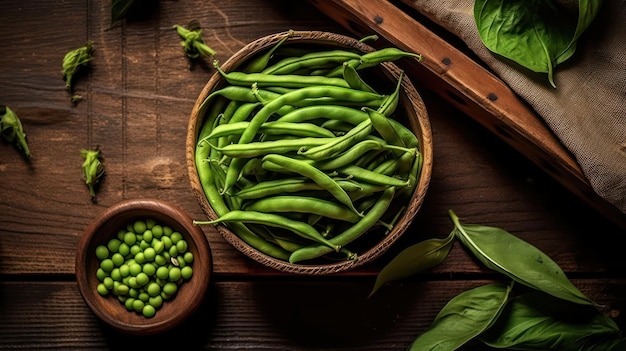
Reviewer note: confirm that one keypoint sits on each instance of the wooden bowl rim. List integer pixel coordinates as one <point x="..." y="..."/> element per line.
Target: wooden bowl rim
<point x="193" y="292"/>
<point x="409" y="96"/>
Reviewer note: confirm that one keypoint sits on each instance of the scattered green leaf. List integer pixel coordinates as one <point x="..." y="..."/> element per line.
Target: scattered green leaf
<point x="537" y="34"/>
<point x="414" y="259"/>
<point x="536" y="321"/>
<point x="74" y="60"/>
<point x="193" y="44"/>
<point x="517" y="259"/>
<point x="92" y="169"/>
<point x="463" y="318"/>
<point x="12" y="130"/>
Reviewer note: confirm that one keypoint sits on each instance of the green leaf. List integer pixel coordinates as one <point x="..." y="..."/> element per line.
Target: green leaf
<point x="537" y="34"/>
<point x="120" y="8"/>
<point x="414" y="259"/>
<point x="463" y="318"/>
<point x="517" y="259"/>
<point x="12" y="131"/>
<point x="536" y="321"/>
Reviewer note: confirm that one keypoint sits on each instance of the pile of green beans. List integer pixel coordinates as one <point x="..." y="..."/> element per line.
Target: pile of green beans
<point x="300" y="156"/>
<point x="144" y="266"/>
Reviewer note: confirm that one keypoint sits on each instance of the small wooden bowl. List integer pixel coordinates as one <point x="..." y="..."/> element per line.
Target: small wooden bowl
<point x="411" y="111"/>
<point x="108" y="308"/>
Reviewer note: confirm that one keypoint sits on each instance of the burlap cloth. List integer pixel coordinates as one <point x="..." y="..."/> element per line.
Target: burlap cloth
<point x="587" y="110"/>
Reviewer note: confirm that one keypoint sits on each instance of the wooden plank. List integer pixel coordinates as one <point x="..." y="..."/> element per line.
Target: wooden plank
<point x="261" y="315"/>
<point x="471" y="88"/>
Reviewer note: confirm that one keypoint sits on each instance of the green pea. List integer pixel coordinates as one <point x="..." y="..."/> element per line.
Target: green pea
<point x="167" y="242"/>
<point x="157" y="231"/>
<point x="150" y="222"/>
<point x="144" y="244"/>
<point x="102" y="252"/>
<point x="142" y="279"/>
<point x="148" y="311"/>
<point x="158" y="246"/>
<point x="147" y="235"/>
<point x="140" y="258"/>
<point x="173" y="251"/>
<point x="108" y="282"/>
<point x="122" y="298"/>
<point x="176" y="237"/>
<point x="122" y="289"/>
<point x="124" y="270"/>
<point x="156" y="301"/>
<point x="132" y="282"/>
<point x="114" y="244"/>
<point x="133" y="292"/>
<point x="117" y="259"/>
<point x="116" y="274"/>
<point x="135" y="269"/>
<point x="162" y="273"/>
<point x="120" y="234"/>
<point x="181" y="261"/>
<point x="102" y="290"/>
<point x="154" y="289"/>
<point x="124" y="249"/>
<point x="143" y="296"/>
<point x="101" y="274"/>
<point x="188" y="257"/>
<point x="167" y="230"/>
<point x="138" y="305"/>
<point x="160" y="260"/>
<point x="149" y="269"/>
<point x="182" y="246"/>
<point x="130" y="238"/>
<point x="140" y="226"/>
<point x="107" y="265"/>
<point x="129" y="303"/>
<point x="135" y="249"/>
<point x="149" y="254"/>
<point x="170" y="288"/>
<point x="186" y="272"/>
<point x="174" y="274"/>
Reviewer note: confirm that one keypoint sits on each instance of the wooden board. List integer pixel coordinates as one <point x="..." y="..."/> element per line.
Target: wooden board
<point x="471" y="88"/>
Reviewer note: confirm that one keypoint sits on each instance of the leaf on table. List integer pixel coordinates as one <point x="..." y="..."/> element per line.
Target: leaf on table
<point x="537" y="34"/>
<point x="414" y="259"/>
<point x="517" y="259"/>
<point x="536" y="321"/>
<point x="463" y="318"/>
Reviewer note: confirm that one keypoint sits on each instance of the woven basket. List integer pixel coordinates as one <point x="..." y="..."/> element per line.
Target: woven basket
<point x="411" y="112"/>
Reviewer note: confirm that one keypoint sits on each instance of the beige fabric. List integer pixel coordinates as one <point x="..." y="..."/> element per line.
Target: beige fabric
<point x="587" y="110"/>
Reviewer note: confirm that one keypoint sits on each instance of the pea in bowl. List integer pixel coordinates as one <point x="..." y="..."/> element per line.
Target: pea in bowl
<point x="142" y="266"/>
<point x="310" y="152"/>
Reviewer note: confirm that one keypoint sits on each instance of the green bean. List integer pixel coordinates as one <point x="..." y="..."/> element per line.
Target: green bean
<point x="354" y="153"/>
<point x="391" y="103"/>
<point x="337" y="144"/>
<point x="350" y="234"/>
<point x="332" y="112"/>
<point x="313" y="59"/>
<point x="259" y="63"/>
<point x="372" y="177"/>
<point x="218" y="205"/>
<point x="259" y="148"/>
<point x="407" y="136"/>
<point x="303" y="204"/>
<point x="385" y="55"/>
<point x="352" y="77"/>
<point x="386" y="130"/>
<point x="281" y="80"/>
<point x="316" y="175"/>
<point x="295" y="129"/>
<point x="301" y="229"/>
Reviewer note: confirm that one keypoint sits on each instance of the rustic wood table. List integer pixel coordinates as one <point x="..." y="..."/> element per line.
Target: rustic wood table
<point x="137" y="97"/>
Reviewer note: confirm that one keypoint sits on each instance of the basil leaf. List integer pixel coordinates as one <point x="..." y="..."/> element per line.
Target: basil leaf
<point x="463" y="318"/>
<point x="414" y="259"/>
<point x="120" y="8"/>
<point x="517" y="259"/>
<point x="537" y="34"/>
<point x="536" y="321"/>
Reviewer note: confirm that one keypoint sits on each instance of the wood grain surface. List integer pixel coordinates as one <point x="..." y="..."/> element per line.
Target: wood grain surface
<point x="137" y="97"/>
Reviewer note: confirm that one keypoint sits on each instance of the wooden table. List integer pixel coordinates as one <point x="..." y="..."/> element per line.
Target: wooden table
<point x="137" y="97"/>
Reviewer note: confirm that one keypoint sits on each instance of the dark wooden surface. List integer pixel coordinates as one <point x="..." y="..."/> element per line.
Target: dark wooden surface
<point x="138" y="95"/>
